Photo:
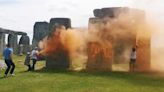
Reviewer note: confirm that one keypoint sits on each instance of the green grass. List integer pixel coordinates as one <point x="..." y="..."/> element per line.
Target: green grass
<point x="43" y="80"/>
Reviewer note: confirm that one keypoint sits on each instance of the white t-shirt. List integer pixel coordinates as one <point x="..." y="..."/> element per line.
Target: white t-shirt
<point x="34" y="54"/>
<point x="133" y="55"/>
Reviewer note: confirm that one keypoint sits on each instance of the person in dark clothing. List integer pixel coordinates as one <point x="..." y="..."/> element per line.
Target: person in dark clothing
<point x="7" y="54"/>
<point x="27" y="61"/>
<point x="34" y="57"/>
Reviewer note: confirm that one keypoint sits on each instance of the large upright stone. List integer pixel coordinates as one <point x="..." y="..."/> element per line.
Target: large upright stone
<point x="109" y="12"/>
<point x="98" y="13"/>
<point x="100" y="57"/>
<point x="24" y="45"/>
<point x="2" y="42"/>
<point x="143" y="51"/>
<point x="60" y="58"/>
<point x="12" y="40"/>
<point x="59" y="21"/>
<point x="40" y="32"/>
<point x="94" y="23"/>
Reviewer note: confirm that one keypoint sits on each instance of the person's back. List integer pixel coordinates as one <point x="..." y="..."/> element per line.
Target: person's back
<point x="7" y="53"/>
<point x="133" y="55"/>
<point x="34" y="57"/>
<point x="34" y="54"/>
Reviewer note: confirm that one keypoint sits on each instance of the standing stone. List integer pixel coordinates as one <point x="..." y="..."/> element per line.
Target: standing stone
<point x="12" y="40"/>
<point x="100" y="57"/>
<point x="143" y="62"/>
<point x="24" y="45"/>
<point x="109" y="12"/>
<point x="98" y="13"/>
<point x="100" y="54"/>
<point x="94" y="23"/>
<point x="59" y="21"/>
<point x="40" y="32"/>
<point x="60" y="59"/>
<point x="2" y="42"/>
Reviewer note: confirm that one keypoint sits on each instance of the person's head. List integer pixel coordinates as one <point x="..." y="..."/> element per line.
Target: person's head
<point x="36" y="48"/>
<point x="28" y="53"/>
<point x="8" y="45"/>
<point x="133" y="49"/>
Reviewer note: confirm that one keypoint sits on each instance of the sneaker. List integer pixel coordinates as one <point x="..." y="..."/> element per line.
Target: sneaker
<point x="12" y="75"/>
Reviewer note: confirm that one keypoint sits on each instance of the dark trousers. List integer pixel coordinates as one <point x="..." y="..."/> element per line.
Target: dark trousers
<point x="11" y="65"/>
<point x="34" y="62"/>
<point x="29" y="67"/>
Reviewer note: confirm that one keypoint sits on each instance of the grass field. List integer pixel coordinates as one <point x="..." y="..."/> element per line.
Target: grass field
<point x="43" y="80"/>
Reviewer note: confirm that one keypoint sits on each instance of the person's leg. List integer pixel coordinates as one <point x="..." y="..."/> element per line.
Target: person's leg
<point x="8" y="67"/>
<point x="33" y="66"/>
<point x="29" y="67"/>
<point x="130" y="65"/>
<point x="13" y="67"/>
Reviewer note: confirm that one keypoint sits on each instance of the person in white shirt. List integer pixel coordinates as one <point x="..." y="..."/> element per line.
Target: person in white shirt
<point x="34" y="55"/>
<point x="133" y="57"/>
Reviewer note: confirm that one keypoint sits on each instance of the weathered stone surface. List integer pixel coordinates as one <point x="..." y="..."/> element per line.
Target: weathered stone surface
<point x="60" y="59"/>
<point x="121" y="45"/>
<point x="112" y="12"/>
<point x="100" y="57"/>
<point x="143" y="41"/>
<point x="7" y="31"/>
<point x="2" y="42"/>
<point x="12" y="40"/>
<point x="40" y="32"/>
<point x="94" y="23"/>
<point x="25" y="40"/>
<point x="24" y="45"/>
<point x="98" y="13"/>
<point x="59" y="21"/>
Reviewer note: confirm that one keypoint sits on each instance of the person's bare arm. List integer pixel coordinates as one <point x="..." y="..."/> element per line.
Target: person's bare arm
<point x="11" y="55"/>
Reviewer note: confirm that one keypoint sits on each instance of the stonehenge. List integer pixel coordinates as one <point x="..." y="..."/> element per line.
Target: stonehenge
<point x="121" y="44"/>
<point x="40" y="32"/>
<point x="45" y="29"/>
<point x="104" y="55"/>
<point x="12" y="39"/>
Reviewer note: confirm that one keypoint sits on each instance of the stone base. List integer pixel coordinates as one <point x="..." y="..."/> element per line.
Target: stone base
<point x="58" y="61"/>
<point x="99" y="57"/>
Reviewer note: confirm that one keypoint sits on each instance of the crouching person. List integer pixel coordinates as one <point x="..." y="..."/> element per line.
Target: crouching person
<point x="27" y="61"/>
<point x="34" y="55"/>
<point x="7" y="53"/>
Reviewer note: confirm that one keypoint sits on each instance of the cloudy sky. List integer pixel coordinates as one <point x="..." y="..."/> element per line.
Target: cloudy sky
<point x="21" y="15"/>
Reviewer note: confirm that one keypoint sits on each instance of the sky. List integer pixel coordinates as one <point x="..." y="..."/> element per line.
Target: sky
<point x="20" y="15"/>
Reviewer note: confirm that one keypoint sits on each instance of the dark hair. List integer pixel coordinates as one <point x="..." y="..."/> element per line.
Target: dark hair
<point x="133" y="49"/>
<point x="8" y="45"/>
